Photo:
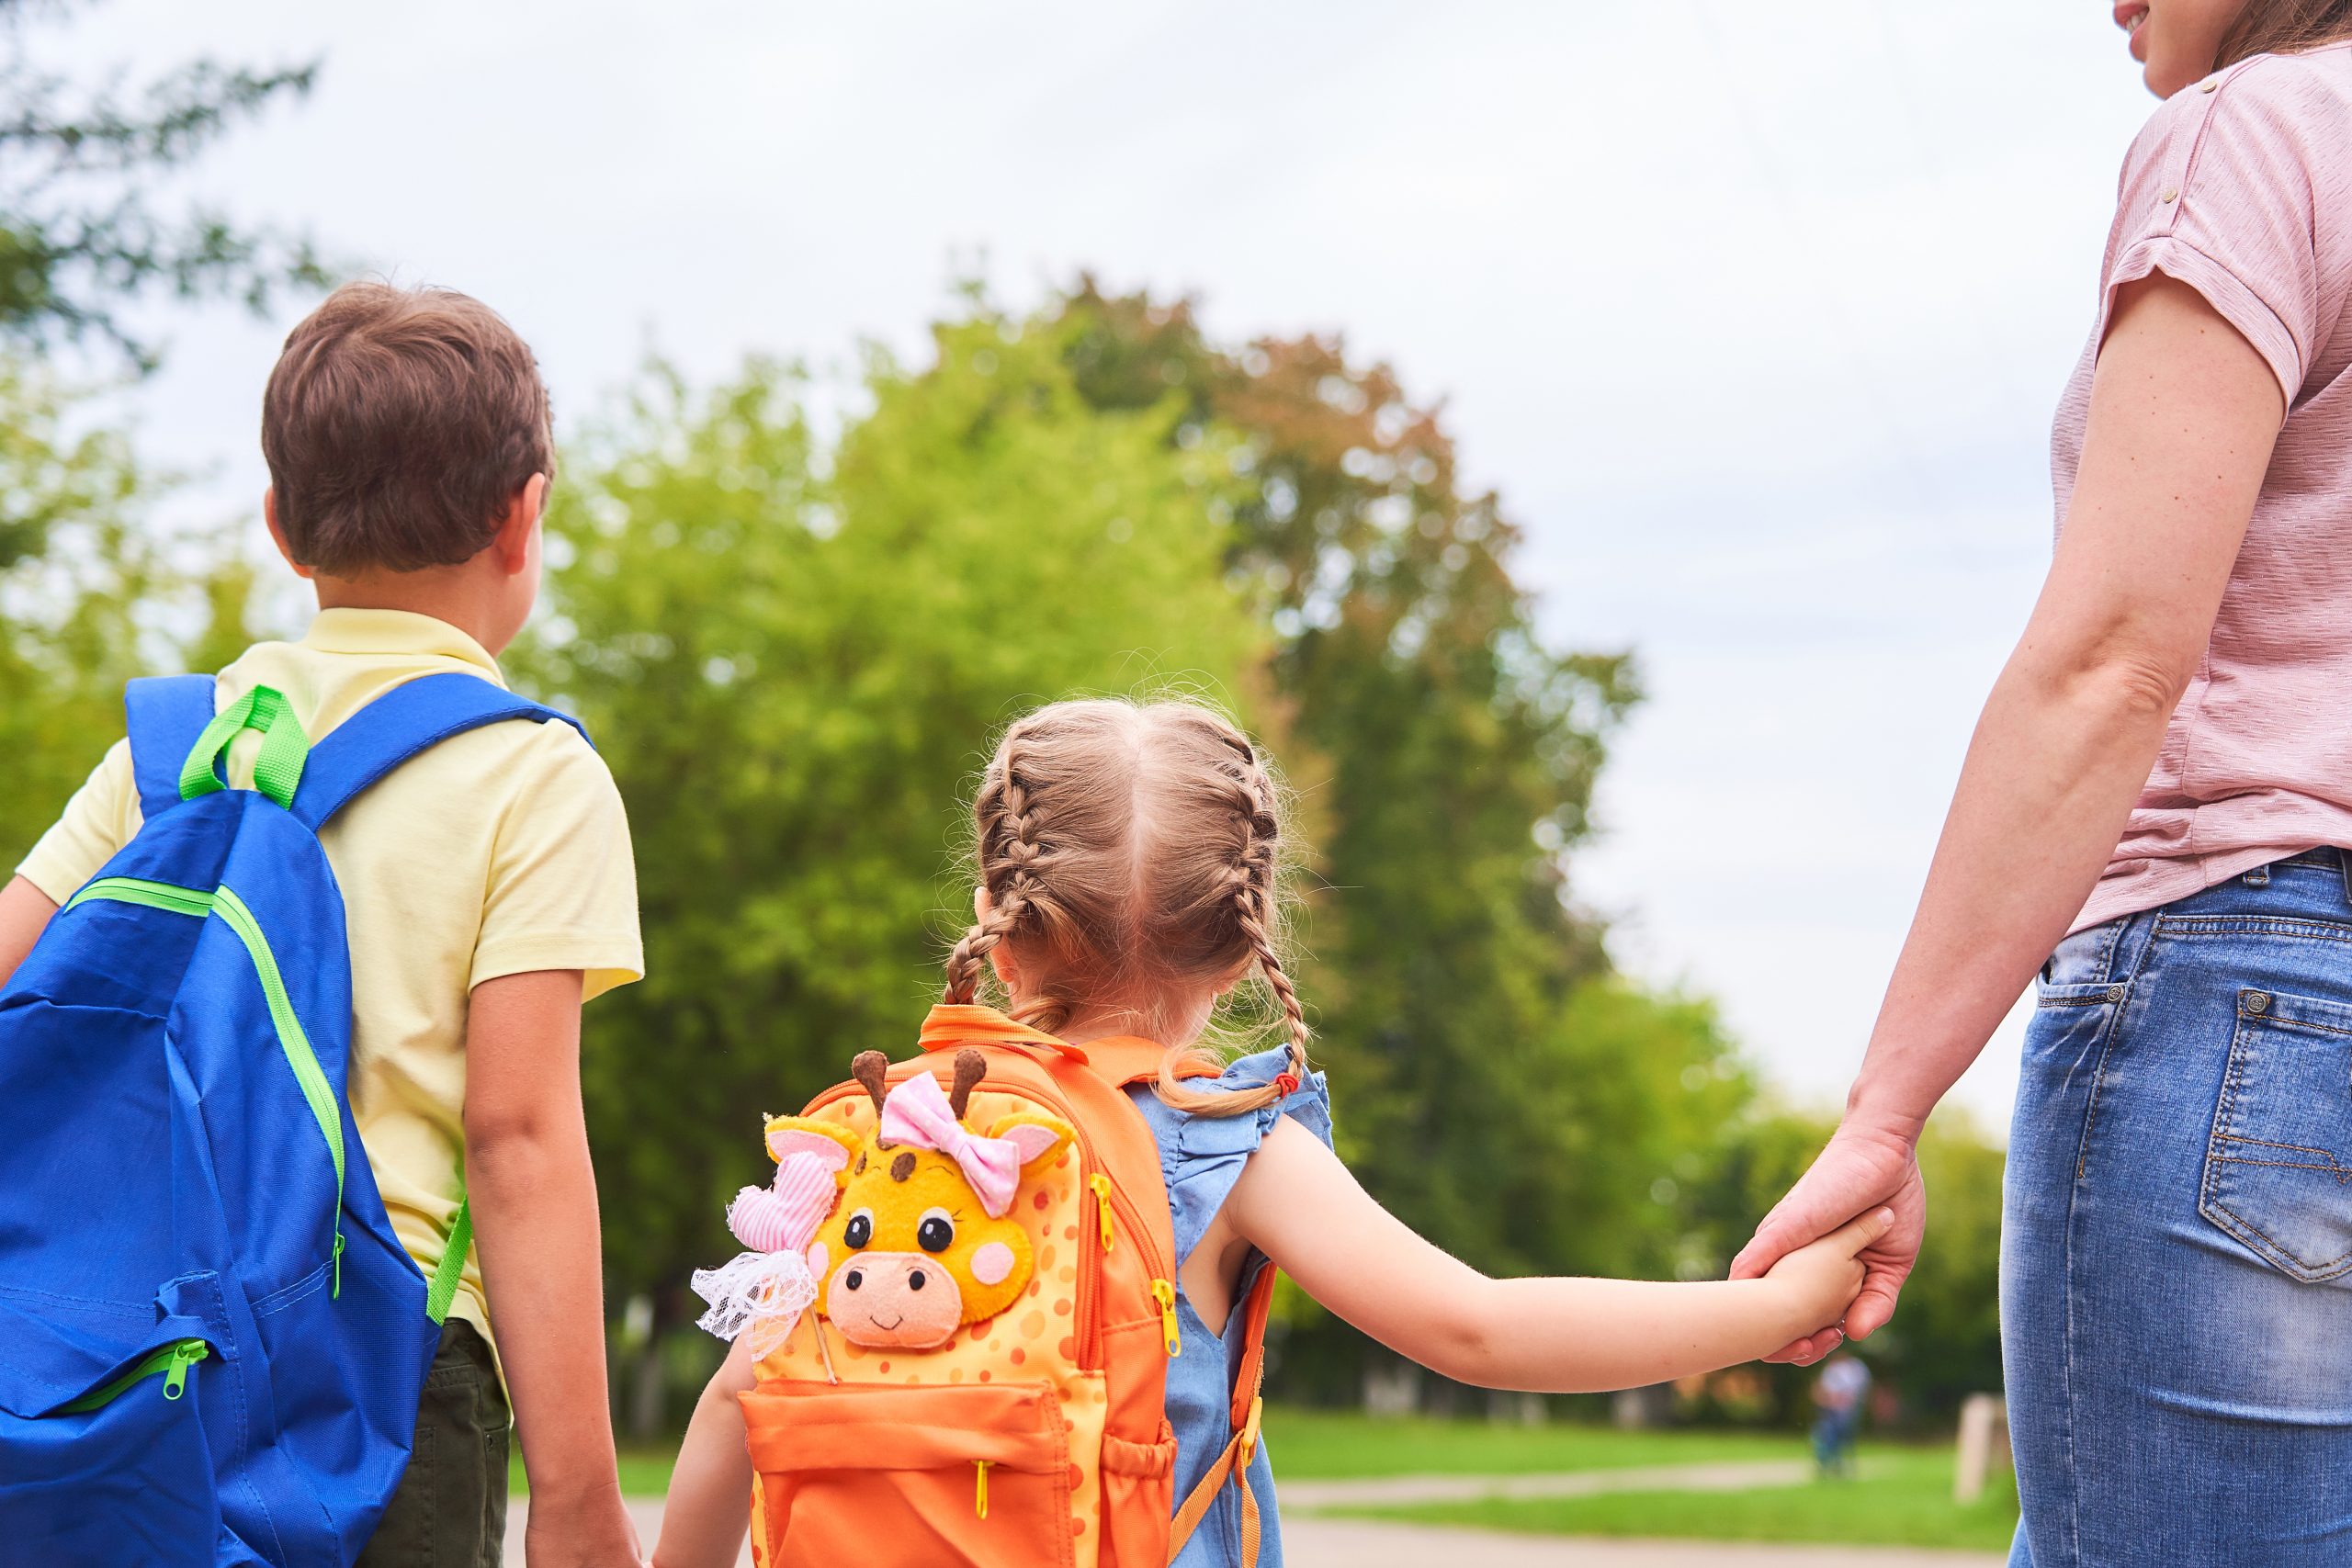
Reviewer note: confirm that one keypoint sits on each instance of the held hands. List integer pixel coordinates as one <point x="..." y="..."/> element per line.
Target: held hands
<point x="1857" y="1170"/>
<point x="1822" y="1279"/>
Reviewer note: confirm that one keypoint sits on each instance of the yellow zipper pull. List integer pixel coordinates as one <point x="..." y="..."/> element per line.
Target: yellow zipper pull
<point x="1101" y="1186"/>
<point x="336" y="1294"/>
<point x="183" y="1356"/>
<point x="980" y="1498"/>
<point x="1164" y="1294"/>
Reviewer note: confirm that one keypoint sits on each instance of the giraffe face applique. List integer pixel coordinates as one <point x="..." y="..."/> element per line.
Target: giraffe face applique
<point x="923" y="1239"/>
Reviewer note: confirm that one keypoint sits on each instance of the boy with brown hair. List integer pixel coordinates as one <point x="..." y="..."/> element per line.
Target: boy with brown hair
<point x="488" y="884"/>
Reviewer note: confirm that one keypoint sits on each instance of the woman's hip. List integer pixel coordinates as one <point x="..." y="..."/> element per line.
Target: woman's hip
<point x="2177" y="1253"/>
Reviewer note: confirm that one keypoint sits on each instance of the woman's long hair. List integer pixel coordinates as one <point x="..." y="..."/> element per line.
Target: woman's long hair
<point x="2283" y="27"/>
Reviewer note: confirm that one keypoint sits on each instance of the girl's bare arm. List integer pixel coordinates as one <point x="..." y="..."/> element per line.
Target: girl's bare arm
<point x="1300" y="1206"/>
<point x="703" y="1524"/>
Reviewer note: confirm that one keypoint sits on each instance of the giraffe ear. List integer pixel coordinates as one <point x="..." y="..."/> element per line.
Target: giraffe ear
<point x="1039" y="1138"/>
<point x="832" y="1144"/>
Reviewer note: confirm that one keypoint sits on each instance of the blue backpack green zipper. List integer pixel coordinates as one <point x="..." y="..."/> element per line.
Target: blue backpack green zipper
<point x="172" y="1360"/>
<point x="316" y="1091"/>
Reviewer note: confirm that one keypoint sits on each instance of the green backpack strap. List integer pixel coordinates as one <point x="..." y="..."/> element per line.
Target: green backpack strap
<point x="443" y="1289"/>
<point x="284" y="748"/>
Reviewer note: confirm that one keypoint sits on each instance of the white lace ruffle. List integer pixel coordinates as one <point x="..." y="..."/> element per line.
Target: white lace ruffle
<point x="765" y="1292"/>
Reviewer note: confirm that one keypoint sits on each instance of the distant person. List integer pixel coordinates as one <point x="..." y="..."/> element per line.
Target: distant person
<point x="2154" y="821"/>
<point x="1125" y="880"/>
<point x="1840" y="1393"/>
<point x="487" y="890"/>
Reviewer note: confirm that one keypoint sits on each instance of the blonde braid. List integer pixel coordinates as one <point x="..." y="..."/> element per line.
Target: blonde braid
<point x="1253" y="887"/>
<point x="1011" y="874"/>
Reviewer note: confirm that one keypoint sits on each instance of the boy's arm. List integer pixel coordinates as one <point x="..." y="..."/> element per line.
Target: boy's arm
<point x="703" y="1525"/>
<point x="1299" y="1205"/>
<point x="25" y="910"/>
<point x="534" y="1196"/>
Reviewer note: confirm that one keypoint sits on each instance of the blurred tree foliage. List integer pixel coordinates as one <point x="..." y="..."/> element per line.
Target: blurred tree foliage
<point x="91" y="595"/>
<point x="81" y="235"/>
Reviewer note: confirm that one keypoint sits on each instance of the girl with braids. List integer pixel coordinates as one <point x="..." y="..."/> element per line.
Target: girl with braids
<point x="1128" y="878"/>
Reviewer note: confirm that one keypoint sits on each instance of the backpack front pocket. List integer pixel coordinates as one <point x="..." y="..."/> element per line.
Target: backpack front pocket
<point x="2279" y="1168"/>
<point x="973" y="1475"/>
<point x="104" y="1460"/>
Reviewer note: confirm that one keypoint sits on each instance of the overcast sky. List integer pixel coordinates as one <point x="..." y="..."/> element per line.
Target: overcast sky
<point x="1755" y="315"/>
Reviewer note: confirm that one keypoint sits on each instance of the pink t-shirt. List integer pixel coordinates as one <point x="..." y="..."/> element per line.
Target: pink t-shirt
<point x="2241" y="187"/>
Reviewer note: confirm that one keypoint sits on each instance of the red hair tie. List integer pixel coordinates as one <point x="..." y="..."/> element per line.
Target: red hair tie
<point x="1287" y="1083"/>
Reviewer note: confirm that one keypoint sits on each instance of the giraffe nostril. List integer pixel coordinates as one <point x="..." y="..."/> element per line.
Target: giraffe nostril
<point x="853" y="1280"/>
<point x="914" y="1280"/>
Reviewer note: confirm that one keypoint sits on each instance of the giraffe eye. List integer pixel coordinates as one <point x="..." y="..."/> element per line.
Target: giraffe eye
<point x="859" y="1231"/>
<point x="937" y="1232"/>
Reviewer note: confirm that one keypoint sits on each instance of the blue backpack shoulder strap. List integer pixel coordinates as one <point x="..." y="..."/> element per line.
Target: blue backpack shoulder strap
<point x="412" y="717"/>
<point x="166" y="713"/>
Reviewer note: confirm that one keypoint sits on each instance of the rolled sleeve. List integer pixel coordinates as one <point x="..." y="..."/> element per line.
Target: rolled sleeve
<point x="2223" y="195"/>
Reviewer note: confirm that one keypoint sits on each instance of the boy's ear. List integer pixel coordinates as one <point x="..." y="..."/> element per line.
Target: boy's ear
<point x="833" y="1145"/>
<point x="524" y="509"/>
<point x="1039" y="1138"/>
<point x="277" y="534"/>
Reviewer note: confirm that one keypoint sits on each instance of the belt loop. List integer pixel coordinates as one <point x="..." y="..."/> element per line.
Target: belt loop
<point x="2344" y="865"/>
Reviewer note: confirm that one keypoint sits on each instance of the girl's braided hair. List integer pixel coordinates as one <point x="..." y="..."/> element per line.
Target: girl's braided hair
<point x="1126" y="847"/>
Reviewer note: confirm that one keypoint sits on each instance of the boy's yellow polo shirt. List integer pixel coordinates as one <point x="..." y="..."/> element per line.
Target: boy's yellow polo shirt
<point x="499" y="851"/>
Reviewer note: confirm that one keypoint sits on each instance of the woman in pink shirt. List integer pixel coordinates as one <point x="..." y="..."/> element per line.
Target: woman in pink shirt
<point x="2153" y="821"/>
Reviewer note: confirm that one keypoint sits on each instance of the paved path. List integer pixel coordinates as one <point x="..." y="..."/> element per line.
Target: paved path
<point x="1311" y="1543"/>
<point x="1404" y="1491"/>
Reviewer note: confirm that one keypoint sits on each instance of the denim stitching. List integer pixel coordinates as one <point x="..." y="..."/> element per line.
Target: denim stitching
<point x="2326" y="1156"/>
<point x="2210" y="1203"/>
<point x="2106" y="1046"/>
<point x="2074" y="1507"/>
<point x="2264" y="925"/>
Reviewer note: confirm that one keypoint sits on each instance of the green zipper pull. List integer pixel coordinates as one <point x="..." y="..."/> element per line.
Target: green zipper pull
<point x="183" y="1355"/>
<point x="336" y="1294"/>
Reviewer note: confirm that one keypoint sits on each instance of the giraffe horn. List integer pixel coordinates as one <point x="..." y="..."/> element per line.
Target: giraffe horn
<point x="970" y="1069"/>
<point x="868" y="1068"/>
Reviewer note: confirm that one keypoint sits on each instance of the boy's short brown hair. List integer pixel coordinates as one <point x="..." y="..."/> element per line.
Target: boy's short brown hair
<point x="399" y="425"/>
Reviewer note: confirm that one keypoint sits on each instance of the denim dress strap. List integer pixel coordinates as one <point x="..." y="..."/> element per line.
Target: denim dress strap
<point x="1202" y="1157"/>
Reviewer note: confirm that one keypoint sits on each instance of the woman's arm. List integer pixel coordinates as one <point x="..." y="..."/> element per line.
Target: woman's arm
<point x="1299" y="1205"/>
<point x="2183" y="415"/>
<point x="709" y="1506"/>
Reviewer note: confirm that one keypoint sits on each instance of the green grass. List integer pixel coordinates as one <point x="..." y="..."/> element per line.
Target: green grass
<point x="1336" y="1445"/>
<point x="645" y="1473"/>
<point x="1903" y="1497"/>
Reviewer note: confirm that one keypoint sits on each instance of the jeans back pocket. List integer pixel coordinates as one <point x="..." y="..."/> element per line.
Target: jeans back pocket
<point x="2279" y="1168"/>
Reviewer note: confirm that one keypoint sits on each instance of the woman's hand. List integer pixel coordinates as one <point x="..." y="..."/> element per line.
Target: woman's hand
<point x="1821" y="1280"/>
<point x="1860" y="1170"/>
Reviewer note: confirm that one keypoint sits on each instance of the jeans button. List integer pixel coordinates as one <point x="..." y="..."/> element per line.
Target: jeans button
<point x="2257" y="1002"/>
<point x="2115" y="993"/>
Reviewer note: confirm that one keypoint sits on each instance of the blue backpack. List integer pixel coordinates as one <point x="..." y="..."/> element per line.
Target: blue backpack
<point x="212" y="1345"/>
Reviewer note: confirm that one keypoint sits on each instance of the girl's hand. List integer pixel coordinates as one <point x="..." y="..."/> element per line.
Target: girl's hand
<point x="1859" y="1170"/>
<point x="1821" y="1278"/>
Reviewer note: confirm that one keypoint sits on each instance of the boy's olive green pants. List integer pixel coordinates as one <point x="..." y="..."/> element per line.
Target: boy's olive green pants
<point x="450" y="1510"/>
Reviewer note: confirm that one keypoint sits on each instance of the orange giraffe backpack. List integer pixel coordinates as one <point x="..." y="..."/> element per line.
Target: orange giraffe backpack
<point x="979" y="1380"/>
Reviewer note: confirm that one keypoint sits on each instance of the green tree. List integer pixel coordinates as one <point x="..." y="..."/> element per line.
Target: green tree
<point x="91" y="595"/>
<point x="80" y="236"/>
<point x="797" y="656"/>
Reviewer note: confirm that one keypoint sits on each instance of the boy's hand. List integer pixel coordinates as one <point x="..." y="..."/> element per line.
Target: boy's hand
<point x="587" y="1531"/>
<point x="1822" y="1278"/>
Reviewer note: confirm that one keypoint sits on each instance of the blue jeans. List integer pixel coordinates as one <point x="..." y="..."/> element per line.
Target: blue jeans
<point x="2177" y="1241"/>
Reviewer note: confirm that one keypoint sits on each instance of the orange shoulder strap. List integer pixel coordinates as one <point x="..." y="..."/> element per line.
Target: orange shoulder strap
<point x="1248" y="1406"/>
